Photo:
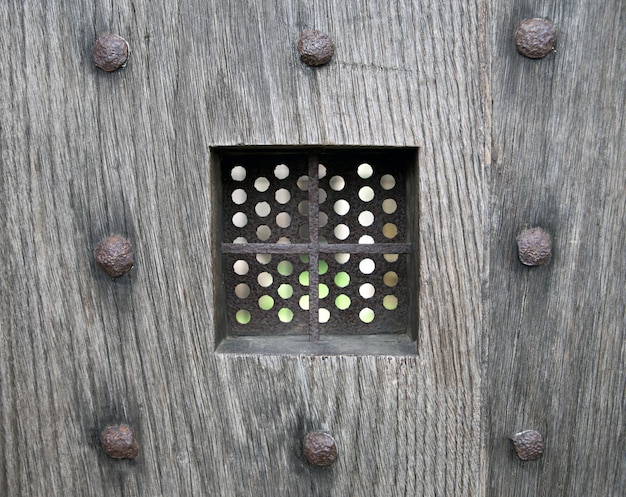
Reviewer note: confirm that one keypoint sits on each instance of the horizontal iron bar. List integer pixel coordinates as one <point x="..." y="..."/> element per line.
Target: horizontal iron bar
<point x="327" y="248"/>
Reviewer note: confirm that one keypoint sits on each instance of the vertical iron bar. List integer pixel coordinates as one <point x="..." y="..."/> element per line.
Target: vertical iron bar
<point x="314" y="331"/>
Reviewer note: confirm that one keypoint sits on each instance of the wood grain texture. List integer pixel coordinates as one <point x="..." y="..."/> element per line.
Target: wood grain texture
<point x="86" y="154"/>
<point x="557" y="350"/>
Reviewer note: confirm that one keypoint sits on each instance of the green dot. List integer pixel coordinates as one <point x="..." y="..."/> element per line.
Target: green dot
<point x="243" y="316"/>
<point x="342" y="279"/>
<point x="342" y="302"/>
<point x="323" y="267"/>
<point x="285" y="315"/>
<point x="323" y="291"/>
<point x="285" y="291"/>
<point x="390" y="302"/>
<point x="266" y="302"/>
<point x="366" y="315"/>
<point x="304" y="258"/>
<point x="304" y="278"/>
<point x="285" y="268"/>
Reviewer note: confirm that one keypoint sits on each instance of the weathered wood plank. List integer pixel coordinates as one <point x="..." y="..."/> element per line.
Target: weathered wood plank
<point x="86" y="154"/>
<point x="557" y="346"/>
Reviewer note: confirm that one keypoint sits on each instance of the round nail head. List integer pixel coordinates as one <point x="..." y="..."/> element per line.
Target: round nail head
<point x="119" y="442"/>
<point x="115" y="255"/>
<point x="316" y="48"/>
<point x="320" y="449"/>
<point x="529" y="445"/>
<point x="534" y="247"/>
<point x="110" y="52"/>
<point x="535" y="38"/>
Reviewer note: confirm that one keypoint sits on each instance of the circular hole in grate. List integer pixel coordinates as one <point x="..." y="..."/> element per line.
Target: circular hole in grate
<point x="341" y="207"/>
<point x="387" y="182"/>
<point x="285" y="315"/>
<point x="262" y="209"/>
<point x="303" y="278"/>
<point x="303" y="183"/>
<point x="391" y="257"/>
<point x="303" y="208"/>
<point x="366" y="193"/>
<point x="341" y="232"/>
<point x="390" y="278"/>
<point x="304" y="258"/>
<point x="240" y="239"/>
<point x="304" y="302"/>
<point x="238" y="173"/>
<point x="241" y="267"/>
<point x="322" y="239"/>
<point x="390" y="302"/>
<point x="283" y="220"/>
<point x="285" y="268"/>
<point x="239" y="196"/>
<point x="284" y="240"/>
<point x="265" y="279"/>
<point x="365" y="171"/>
<point x="281" y="171"/>
<point x="263" y="232"/>
<point x="242" y="291"/>
<point x="366" y="240"/>
<point x="367" y="266"/>
<point x="366" y="218"/>
<point x="243" y="316"/>
<point x="263" y="258"/>
<point x="323" y="291"/>
<point x="266" y="302"/>
<point x="240" y="219"/>
<point x="342" y="302"/>
<point x="303" y="231"/>
<point x="282" y="196"/>
<point x="322" y="195"/>
<point x="323" y="219"/>
<point x="285" y="291"/>
<point x="321" y="171"/>
<point x="366" y="315"/>
<point x="337" y="183"/>
<point x="367" y="290"/>
<point x="389" y="206"/>
<point x="323" y="315"/>
<point x="342" y="279"/>
<point x="322" y="267"/>
<point x="342" y="258"/>
<point x="261" y="184"/>
<point x="390" y="230"/>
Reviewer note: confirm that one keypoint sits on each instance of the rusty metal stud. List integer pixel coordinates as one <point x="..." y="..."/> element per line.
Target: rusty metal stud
<point x="529" y="445"/>
<point x="535" y="38"/>
<point x="320" y="449"/>
<point x="110" y="52"/>
<point x="115" y="255"/>
<point x="534" y="247"/>
<point x="316" y="48"/>
<point x="118" y="442"/>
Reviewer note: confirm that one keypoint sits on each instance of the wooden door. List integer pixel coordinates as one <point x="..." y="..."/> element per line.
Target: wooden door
<point x="499" y="142"/>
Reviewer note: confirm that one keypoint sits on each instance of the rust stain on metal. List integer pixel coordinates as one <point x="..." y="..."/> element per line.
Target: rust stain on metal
<point x="529" y="445"/>
<point x="110" y="52"/>
<point x="534" y="247"/>
<point x="118" y="442"/>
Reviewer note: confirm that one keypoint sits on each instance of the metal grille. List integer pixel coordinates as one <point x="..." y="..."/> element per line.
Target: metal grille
<point x="315" y="243"/>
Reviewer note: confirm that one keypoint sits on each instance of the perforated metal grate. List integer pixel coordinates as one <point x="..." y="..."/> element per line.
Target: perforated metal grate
<point x="315" y="243"/>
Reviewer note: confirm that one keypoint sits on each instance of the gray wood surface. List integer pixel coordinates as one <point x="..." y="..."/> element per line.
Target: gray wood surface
<point x="86" y="154"/>
<point x="556" y="346"/>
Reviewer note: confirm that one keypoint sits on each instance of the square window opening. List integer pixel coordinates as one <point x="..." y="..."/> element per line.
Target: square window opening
<point x="317" y="250"/>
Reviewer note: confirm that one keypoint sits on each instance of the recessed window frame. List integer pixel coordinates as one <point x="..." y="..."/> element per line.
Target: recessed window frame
<point x="404" y="343"/>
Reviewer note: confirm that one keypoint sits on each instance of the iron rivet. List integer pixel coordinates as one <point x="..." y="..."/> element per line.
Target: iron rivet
<point x="110" y="52"/>
<point x="316" y="48"/>
<point x="118" y="442"/>
<point x="320" y="449"/>
<point x="535" y="38"/>
<point x="529" y="445"/>
<point x="115" y="255"/>
<point x="534" y="247"/>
